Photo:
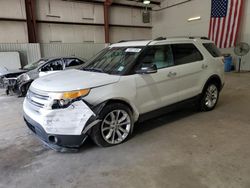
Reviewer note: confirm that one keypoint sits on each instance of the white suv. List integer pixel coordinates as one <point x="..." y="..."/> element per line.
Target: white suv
<point x="125" y="83"/>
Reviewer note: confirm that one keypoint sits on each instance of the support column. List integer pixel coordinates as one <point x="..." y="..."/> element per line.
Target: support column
<point x="31" y="20"/>
<point x="107" y="5"/>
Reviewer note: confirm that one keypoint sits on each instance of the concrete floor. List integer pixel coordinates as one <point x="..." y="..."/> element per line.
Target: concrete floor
<point x="182" y="149"/>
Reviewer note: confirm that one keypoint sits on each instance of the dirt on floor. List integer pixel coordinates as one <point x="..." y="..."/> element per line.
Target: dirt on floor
<point x="184" y="149"/>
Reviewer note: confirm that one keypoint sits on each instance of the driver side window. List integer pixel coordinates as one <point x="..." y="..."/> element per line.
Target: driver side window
<point x="55" y="65"/>
<point x="160" y="55"/>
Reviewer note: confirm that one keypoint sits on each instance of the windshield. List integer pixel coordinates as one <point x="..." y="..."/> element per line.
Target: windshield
<point x="113" y="60"/>
<point x="34" y="65"/>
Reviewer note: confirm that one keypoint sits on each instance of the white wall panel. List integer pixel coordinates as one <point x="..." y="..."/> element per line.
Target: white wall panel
<point x="13" y="32"/>
<point x="70" y="33"/>
<point x="173" y="21"/>
<point x="28" y="52"/>
<point x="126" y="16"/>
<point x="84" y="50"/>
<point x="67" y="11"/>
<point x="12" y="9"/>
<point x="70" y="11"/>
<point x="121" y="33"/>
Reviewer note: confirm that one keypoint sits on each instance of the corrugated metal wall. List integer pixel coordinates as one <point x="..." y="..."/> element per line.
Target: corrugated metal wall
<point x="83" y="50"/>
<point x="28" y="52"/>
<point x="32" y="52"/>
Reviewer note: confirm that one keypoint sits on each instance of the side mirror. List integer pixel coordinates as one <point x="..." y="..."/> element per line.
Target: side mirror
<point x="147" y="69"/>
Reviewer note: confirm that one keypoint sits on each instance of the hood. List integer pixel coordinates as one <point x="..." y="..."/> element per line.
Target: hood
<point x="4" y="71"/>
<point x="33" y="74"/>
<point x="71" y="80"/>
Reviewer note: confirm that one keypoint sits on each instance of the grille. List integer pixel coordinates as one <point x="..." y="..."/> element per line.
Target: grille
<point x="37" y="99"/>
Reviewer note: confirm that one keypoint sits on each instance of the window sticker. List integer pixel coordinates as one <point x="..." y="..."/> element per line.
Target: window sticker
<point x="135" y="50"/>
<point x="120" y="68"/>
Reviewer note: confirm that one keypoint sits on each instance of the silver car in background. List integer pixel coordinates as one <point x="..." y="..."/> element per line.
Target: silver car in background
<point x="44" y="66"/>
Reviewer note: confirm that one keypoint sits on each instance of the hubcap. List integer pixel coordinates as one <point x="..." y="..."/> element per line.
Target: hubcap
<point x="211" y="96"/>
<point x="116" y="126"/>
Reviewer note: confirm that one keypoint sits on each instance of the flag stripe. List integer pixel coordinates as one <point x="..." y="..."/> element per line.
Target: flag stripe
<point x="213" y="29"/>
<point x="222" y="32"/>
<point x="236" y="22"/>
<point x="228" y="25"/>
<point x="217" y="31"/>
<point x="232" y="22"/>
<point x="238" y="25"/>
<point x="210" y="28"/>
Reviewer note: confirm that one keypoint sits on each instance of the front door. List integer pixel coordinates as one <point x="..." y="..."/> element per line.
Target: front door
<point x="158" y="89"/>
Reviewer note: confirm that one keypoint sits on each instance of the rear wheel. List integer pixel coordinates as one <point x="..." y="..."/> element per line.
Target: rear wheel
<point x="210" y="97"/>
<point x="116" y="125"/>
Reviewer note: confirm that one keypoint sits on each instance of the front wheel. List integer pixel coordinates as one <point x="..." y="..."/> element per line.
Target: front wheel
<point x="24" y="89"/>
<point x="210" y="97"/>
<point x="116" y="125"/>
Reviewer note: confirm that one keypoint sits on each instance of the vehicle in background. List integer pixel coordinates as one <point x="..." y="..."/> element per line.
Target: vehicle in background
<point x="6" y="74"/>
<point x="44" y="66"/>
<point x="128" y="82"/>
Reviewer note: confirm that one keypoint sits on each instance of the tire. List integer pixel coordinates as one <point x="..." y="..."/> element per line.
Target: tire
<point x="24" y="89"/>
<point x="108" y="132"/>
<point x="210" y="97"/>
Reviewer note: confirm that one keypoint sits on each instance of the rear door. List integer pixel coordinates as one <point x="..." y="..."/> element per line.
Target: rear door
<point x="190" y="67"/>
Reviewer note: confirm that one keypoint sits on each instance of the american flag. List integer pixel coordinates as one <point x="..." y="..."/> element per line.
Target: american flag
<point x="224" y="22"/>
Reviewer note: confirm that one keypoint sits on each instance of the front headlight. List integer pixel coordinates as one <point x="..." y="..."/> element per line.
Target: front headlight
<point x="63" y="100"/>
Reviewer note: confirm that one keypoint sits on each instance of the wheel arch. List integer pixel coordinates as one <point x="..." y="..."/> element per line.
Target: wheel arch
<point x="213" y="79"/>
<point x="133" y="109"/>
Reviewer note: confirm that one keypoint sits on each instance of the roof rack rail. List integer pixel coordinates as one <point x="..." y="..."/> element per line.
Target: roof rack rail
<point x="195" y="37"/>
<point x="189" y="37"/>
<point x="205" y="38"/>
<point x="131" y="40"/>
<point x="160" y="38"/>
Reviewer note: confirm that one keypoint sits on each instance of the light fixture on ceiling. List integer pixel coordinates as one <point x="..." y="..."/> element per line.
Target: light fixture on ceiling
<point x="146" y="2"/>
<point x="194" y="18"/>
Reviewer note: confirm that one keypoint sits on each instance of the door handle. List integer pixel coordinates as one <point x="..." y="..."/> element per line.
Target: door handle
<point x="172" y="74"/>
<point x="204" y="66"/>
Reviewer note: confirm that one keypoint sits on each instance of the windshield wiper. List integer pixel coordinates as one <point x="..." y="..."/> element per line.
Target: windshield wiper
<point x="93" y="70"/>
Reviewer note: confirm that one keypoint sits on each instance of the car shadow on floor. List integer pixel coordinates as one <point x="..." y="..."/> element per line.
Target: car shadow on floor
<point x="149" y="125"/>
<point x="163" y="120"/>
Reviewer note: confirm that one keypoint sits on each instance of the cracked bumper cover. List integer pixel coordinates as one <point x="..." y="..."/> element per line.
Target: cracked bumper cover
<point x="61" y="128"/>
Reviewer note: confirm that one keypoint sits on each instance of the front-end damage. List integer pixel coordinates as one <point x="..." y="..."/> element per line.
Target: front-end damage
<point x="63" y="129"/>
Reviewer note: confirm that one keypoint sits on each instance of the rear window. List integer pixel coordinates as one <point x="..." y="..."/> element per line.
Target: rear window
<point x="212" y="49"/>
<point x="186" y="53"/>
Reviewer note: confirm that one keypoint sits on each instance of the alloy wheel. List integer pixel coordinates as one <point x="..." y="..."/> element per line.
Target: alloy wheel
<point x="116" y="126"/>
<point x="211" y="96"/>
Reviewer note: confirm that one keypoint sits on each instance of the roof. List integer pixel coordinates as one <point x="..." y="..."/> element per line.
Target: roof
<point x="164" y="41"/>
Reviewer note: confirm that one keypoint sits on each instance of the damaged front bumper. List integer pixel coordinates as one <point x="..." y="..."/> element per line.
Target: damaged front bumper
<point x="10" y="85"/>
<point x="60" y="129"/>
<point x="56" y="142"/>
<point x="14" y="86"/>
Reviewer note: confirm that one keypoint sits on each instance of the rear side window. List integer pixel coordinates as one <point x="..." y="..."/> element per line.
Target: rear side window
<point x="186" y="53"/>
<point x="73" y="62"/>
<point x="212" y="49"/>
<point x="54" y="65"/>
